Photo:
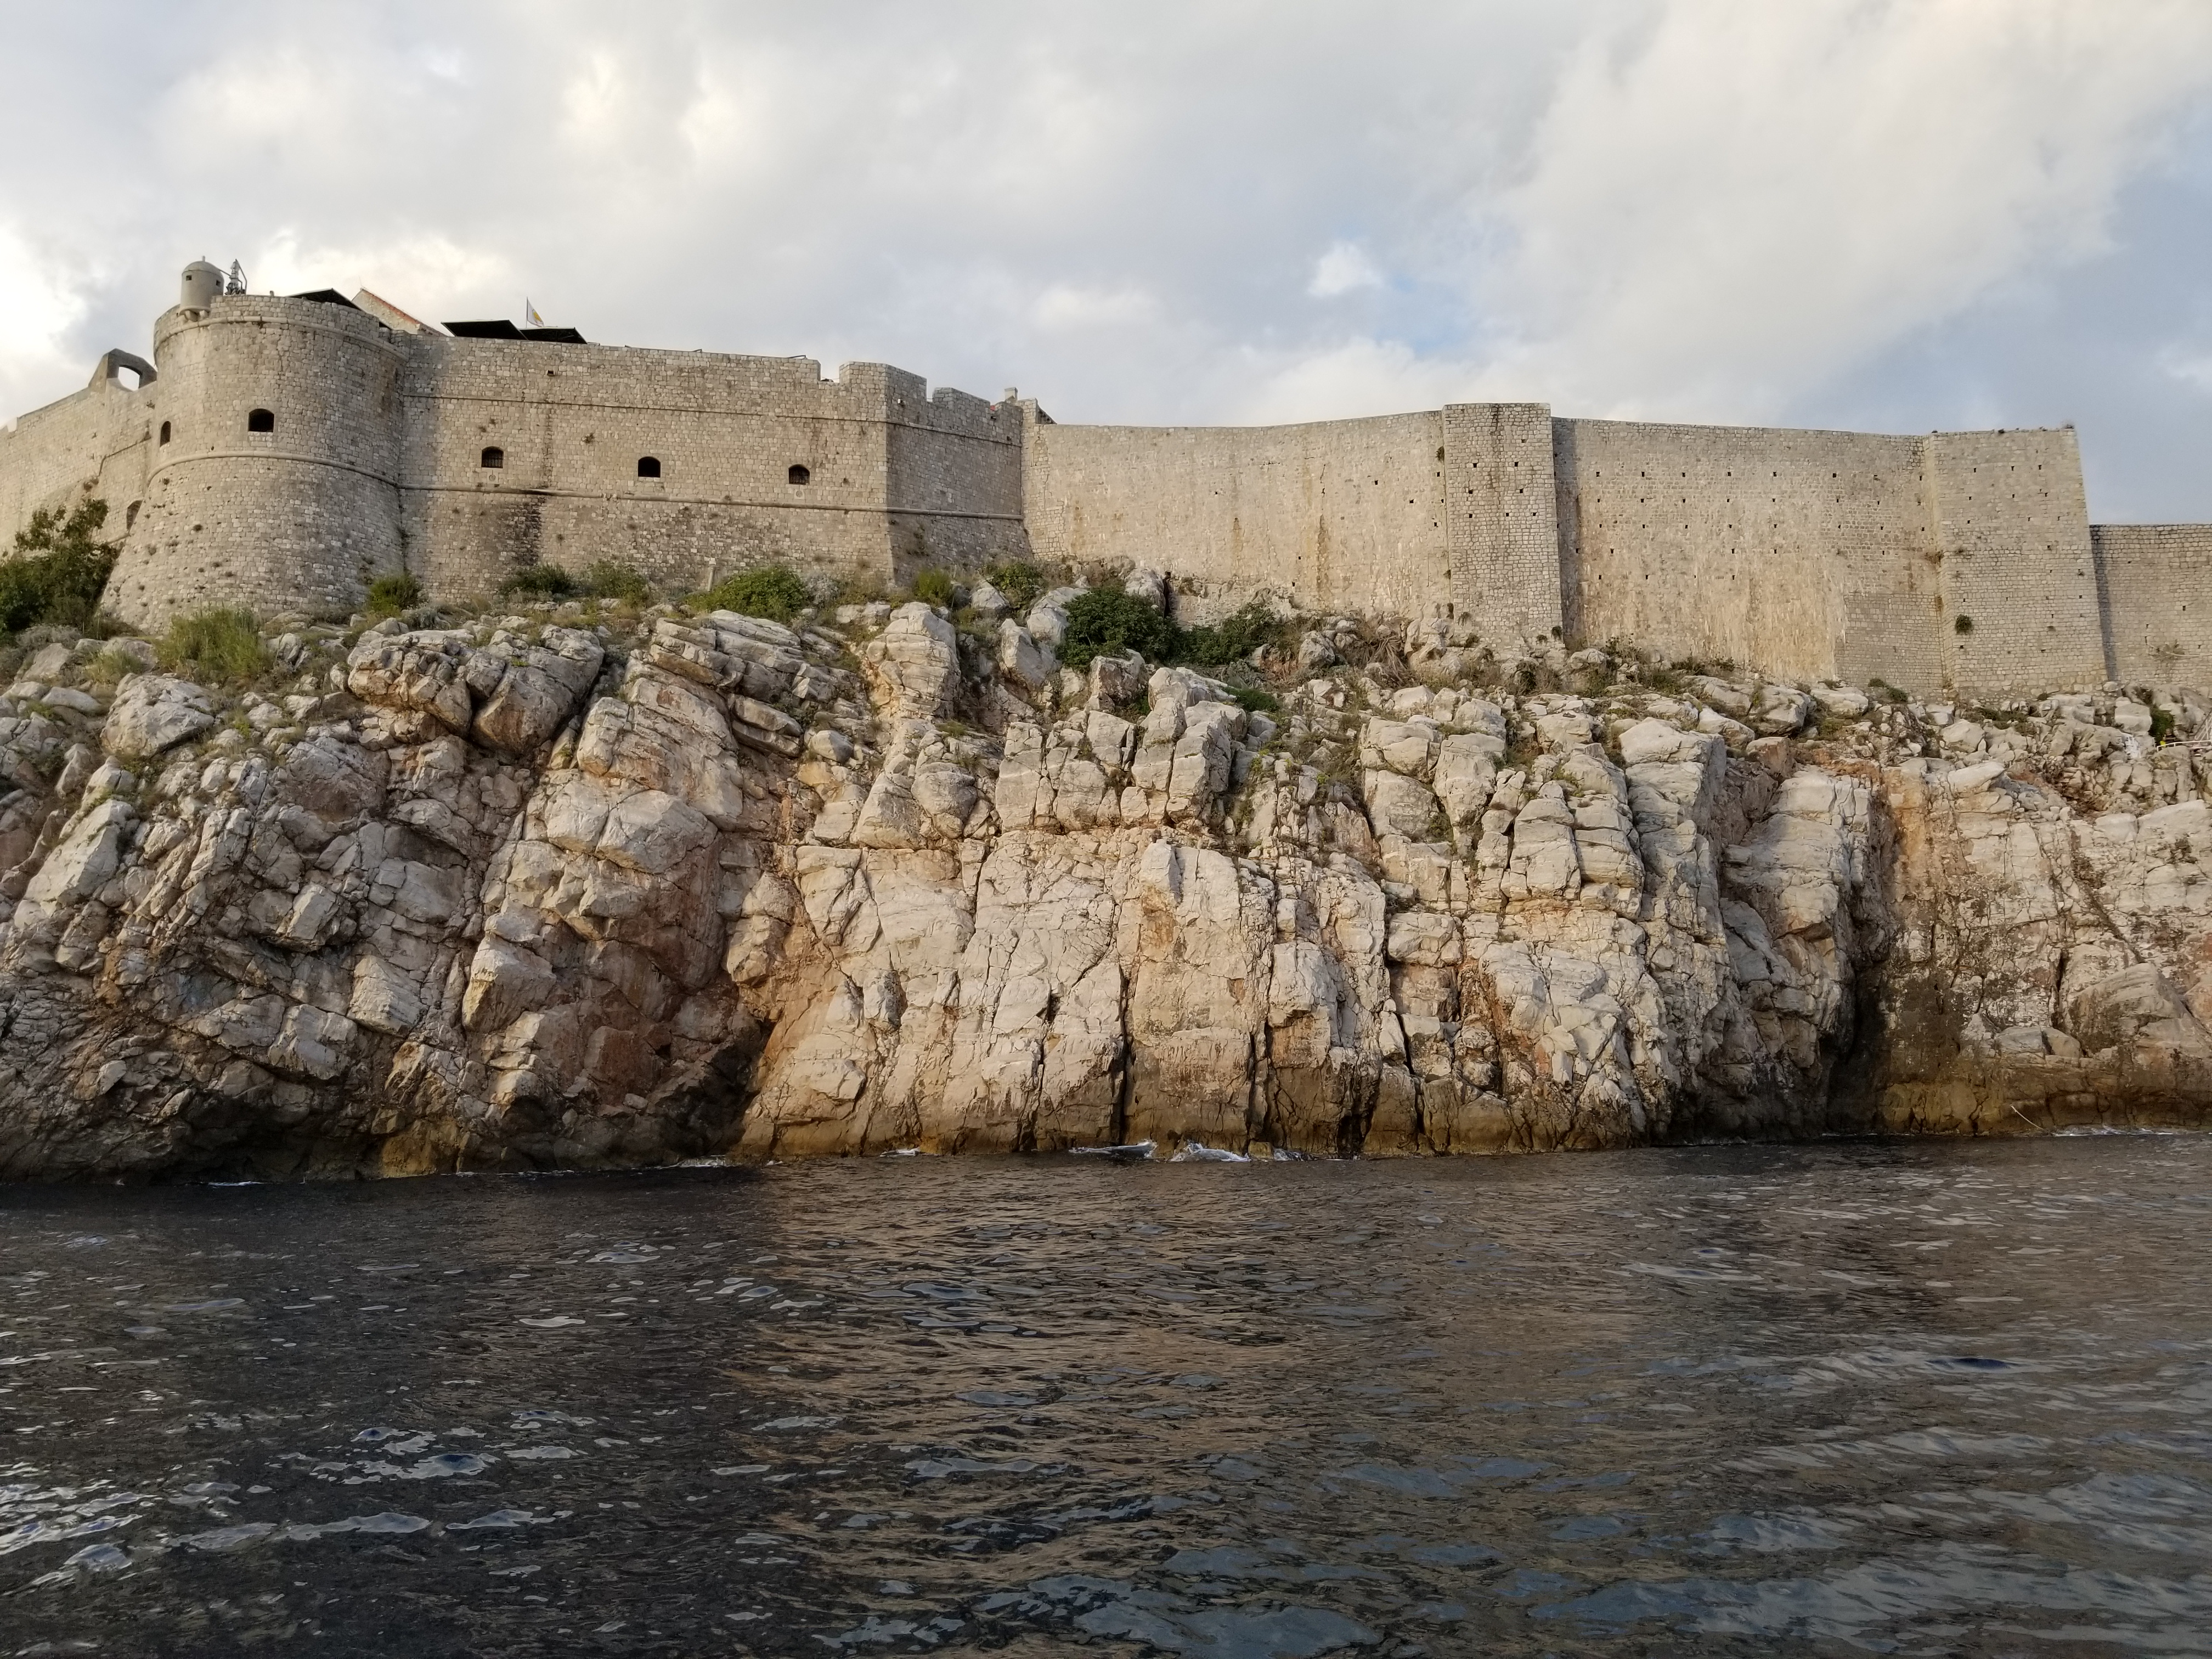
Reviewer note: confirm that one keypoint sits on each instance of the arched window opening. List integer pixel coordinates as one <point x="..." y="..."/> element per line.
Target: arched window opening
<point x="165" y="432"/>
<point x="494" y="457"/>
<point x="260" y="420"/>
<point x="131" y="515"/>
<point x="649" y="466"/>
<point x="799" y="475"/>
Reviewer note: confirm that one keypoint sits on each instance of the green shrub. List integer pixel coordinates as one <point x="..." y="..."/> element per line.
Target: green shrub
<point x="218" y="646"/>
<point x="388" y="596"/>
<point x="610" y="579"/>
<point x="58" y="570"/>
<point x="764" y="590"/>
<point x="1252" y="701"/>
<point x="933" y="586"/>
<point x="1022" y="583"/>
<point x="2161" y="724"/>
<point x="539" y="582"/>
<point x="1232" y="639"/>
<point x="1106" y="620"/>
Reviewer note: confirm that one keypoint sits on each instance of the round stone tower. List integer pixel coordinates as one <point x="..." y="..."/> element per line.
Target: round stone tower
<point x="274" y="476"/>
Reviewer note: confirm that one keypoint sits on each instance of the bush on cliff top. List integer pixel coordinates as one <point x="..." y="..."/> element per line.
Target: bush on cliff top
<point x="1022" y="582"/>
<point x="540" y="582"/>
<point x="219" y="646"/>
<point x="933" y="586"/>
<point x="1106" y="621"/>
<point x="764" y="590"/>
<point x="603" y="579"/>
<point x="1232" y="639"/>
<point x="57" y="571"/>
<point x="388" y="596"/>
<point x="610" y="579"/>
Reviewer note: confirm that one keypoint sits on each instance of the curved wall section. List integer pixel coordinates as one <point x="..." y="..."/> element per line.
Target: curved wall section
<point x="294" y="520"/>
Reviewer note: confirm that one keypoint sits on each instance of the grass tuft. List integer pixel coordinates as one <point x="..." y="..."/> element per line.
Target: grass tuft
<point x="219" y="646"/>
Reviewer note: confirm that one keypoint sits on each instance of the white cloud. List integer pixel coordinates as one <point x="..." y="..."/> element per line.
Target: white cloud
<point x="1072" y="306"/>
<point x="1359" y="376"/>
<point x="437" y="274"/>
<point x="1345" y="267"/>
<point x="41" y="304"/>
<point x="2193" y="369"/>
<point x="1700" y="208"/>
<point x="1735" y="200"/>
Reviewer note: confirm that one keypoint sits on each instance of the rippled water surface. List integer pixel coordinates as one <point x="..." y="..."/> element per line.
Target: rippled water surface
<point x="1929" y="1399"/>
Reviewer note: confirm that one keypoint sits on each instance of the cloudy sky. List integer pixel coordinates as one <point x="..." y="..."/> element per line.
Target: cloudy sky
<point x="1890" y="214"/>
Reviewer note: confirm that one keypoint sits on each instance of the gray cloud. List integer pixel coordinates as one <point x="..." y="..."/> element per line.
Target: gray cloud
<point x="1905" y="213"/>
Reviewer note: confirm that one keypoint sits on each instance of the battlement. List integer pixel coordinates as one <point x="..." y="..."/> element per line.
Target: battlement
<point x="282" y="452"/>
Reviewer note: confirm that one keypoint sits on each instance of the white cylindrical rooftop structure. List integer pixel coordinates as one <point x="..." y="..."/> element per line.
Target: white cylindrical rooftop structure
<point x="202" y="281"/>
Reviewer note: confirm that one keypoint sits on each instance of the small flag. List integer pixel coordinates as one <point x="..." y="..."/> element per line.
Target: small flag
<point x="531" y="312"/>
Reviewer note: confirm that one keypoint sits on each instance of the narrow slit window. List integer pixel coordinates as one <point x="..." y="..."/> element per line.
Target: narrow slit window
<point x="261" y="420"/>
<point x="165" y="432"/>
<point x="649" y="466"/>
<point x="494" y="457"/>
<point x="799" y="475"/>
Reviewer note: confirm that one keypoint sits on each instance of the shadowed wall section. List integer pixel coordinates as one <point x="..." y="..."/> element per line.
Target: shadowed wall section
<point x="2157" y="586"/>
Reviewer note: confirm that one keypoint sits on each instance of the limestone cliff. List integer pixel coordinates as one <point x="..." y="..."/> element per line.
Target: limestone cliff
<point x="526" y="894"/>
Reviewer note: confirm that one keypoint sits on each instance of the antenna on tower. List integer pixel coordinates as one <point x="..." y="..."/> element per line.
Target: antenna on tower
<point x="235" y="282"/>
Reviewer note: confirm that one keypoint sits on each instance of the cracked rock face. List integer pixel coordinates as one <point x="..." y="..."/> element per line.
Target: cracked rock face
<point x="525" y="896"/>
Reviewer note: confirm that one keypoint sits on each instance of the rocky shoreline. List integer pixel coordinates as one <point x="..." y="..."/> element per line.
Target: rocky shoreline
<point x="566" y="889"/>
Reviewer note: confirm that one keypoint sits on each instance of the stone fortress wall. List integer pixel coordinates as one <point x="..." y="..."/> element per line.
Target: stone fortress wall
<point x="1336" y="516"/>
<point x="1957" y="560"/>
<point x="2157" y="600"/>
<point x="759" y="458"/>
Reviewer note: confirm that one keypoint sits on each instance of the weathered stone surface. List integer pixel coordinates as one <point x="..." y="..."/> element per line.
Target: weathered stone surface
<point x="714" y="914"/>
<point x="152" y="713"/>
<point x="511" y="694"/>
<point x="914" y="663"/>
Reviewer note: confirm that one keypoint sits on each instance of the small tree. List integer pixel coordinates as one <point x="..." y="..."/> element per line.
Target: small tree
<point x="58" y="570"/>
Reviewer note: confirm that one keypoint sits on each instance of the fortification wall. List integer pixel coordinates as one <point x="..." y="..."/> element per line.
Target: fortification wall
<point x="1801" y="554"/>
<point x="1335" y="516"/>
<point x="953" y="471"/>
<point x="1732" y="543"/>
<point x="2157" y="591"/>
<point x="93" y="443"/>
<point x="1501" y="521"/>
<point x="294" y="520"/>
<point x="2012" y="525"/>
<point x="572" y="423"/>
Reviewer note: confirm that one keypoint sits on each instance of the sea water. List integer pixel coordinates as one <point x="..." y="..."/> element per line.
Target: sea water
<point x="1913" y="1398"/>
